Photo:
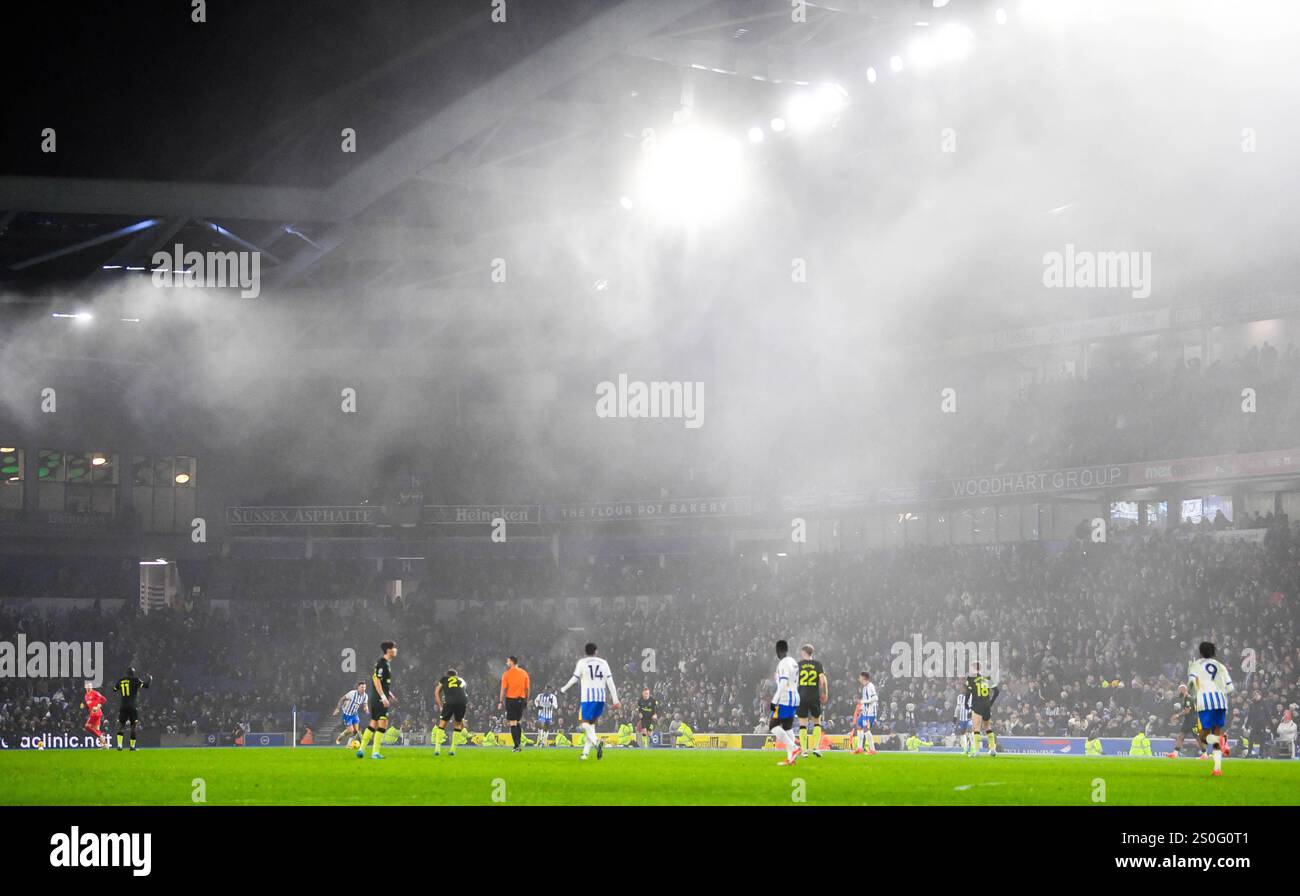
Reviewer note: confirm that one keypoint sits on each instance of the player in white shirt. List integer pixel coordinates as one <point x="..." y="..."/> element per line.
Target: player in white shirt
<point x="785" y="703"/>
<point x="961" y="721"/>
<point x="1209" y="678"/>
<point x="595" y="676"/>
<point x="546" y="703"/>
<point x="350" y="708"/>
<point x="866" y="716"/>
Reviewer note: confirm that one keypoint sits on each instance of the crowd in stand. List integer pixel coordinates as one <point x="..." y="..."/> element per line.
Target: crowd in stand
<point x="1091" y="639"/>
<point x="1119" y="410"/>
<point x="1120" y="413"/>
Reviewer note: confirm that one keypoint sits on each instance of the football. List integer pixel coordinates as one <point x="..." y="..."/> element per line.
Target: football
<point x="354" y="744"/>
<point x="40" y="744"/>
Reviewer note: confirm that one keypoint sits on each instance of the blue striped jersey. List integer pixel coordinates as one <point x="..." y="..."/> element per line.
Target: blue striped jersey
<point x="545" y="704"/>
<point x="351" y="703"/>
<point x="595" y="675"/>
<point x="786" y="679"/>
<point x="1212" y="683"/>
<point x="869" y="699"/>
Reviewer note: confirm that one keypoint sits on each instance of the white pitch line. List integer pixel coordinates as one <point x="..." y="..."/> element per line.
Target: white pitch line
<point x="982" y="784"/>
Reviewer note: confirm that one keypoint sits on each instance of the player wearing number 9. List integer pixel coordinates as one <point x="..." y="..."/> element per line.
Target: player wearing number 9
<point x="1209" y="678"/>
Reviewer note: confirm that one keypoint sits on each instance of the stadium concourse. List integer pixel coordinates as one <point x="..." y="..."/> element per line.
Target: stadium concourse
<point x="1093" y="639"/>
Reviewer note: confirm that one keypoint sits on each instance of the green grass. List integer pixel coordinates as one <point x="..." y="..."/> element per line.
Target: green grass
<point x="326" y="776"/>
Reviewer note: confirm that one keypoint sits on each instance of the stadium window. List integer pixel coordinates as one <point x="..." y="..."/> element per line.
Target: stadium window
<point x="162" y="471"/>
<point x="184" y="493"/>
<point x="183" y="476"/>
<point x="962" y="522"/>
<point x="1158" y="514"/>
<point x="937" y="531"/>
<point x="142" y="479"/>
<point x="1123" y="514"/>
<point x="75" y="482"/>
<point x="1029" y="522"/>
<point x="914" y="528"/>
<point x="1216" y="503"/>
<point x="142" y="471"/>
<point x="874" y="531"/>
<point x="91" y="482"/>
<point x="163" y="513"/>
<point x="11" y="478"/>
<point x="895" y="533"/>
<point x="165" y="492"/>
<point x="51" y="481"/>
<point x="1009" y="522"/>
<point x="857" y="532"/>
<point x="1290" y="504"/>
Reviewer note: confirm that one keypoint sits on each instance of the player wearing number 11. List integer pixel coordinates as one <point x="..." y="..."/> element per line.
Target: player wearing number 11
<point x="595" y="675"/>
<point x="128" y="688"/>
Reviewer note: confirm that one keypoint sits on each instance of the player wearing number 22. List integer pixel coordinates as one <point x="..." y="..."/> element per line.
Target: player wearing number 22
<point x="595" y="676"/>
<point x="813" y="695"/>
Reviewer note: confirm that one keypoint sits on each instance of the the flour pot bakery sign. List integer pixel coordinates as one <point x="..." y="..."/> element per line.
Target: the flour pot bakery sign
<point x="607" y="511"/>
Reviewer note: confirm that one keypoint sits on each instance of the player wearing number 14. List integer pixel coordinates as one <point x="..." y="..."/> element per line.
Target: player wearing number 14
<point x="595" y="675"/>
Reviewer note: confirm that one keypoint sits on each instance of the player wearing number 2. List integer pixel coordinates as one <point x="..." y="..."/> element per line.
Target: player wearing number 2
<point x="1212" y="684"/>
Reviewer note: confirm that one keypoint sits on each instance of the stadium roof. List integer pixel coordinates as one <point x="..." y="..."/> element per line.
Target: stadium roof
<point x="226" y="134"/>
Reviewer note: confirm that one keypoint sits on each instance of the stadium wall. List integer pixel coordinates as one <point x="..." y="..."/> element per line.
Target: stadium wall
<point x="1054" y="746"/>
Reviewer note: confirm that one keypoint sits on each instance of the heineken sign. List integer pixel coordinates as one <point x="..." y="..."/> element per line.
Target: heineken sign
<point x="472" y="513"/>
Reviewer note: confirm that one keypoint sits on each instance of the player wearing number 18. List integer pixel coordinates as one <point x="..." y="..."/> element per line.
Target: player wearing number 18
<point x="982" y="694"/>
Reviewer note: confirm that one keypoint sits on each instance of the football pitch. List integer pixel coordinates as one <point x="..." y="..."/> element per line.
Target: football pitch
<point x="554" y="776"/>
